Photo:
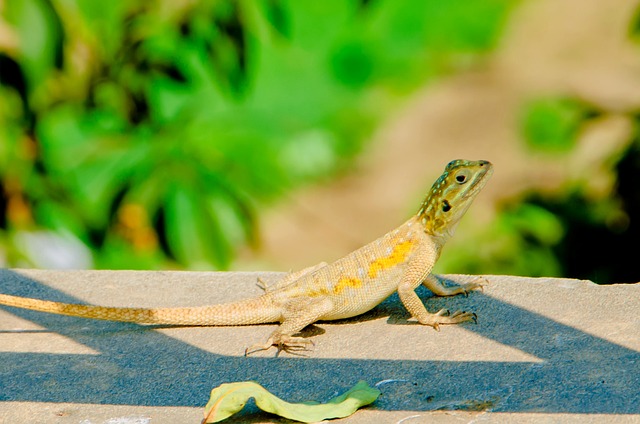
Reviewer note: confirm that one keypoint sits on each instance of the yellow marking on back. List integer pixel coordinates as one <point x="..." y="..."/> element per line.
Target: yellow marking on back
<point x="397" y="256"/>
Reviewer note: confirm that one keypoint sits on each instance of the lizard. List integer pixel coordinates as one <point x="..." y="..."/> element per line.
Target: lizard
<point x="399" y="261"/>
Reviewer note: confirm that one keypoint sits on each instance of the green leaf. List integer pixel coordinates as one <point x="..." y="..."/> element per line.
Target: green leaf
<point x="227" y="399"/>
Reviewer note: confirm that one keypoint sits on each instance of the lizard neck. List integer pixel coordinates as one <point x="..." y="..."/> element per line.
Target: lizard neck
<point x="435" y="224"/>
<point x="438" y="231"/>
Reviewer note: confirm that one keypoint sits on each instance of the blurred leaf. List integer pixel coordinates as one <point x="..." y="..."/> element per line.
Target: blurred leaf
<point x="168" y="99"/>
<point x="353" y="64"/>
<point x="472" y="25"/>
<point x="106" y="22"/>
<point x="520" y="241"/>
<point x="192" y="230"/>
<point x="62" y="139"/>
<point x="634" y="26"/>
<point x="230" y="398"/>
<point x="91" y="158"/>
<point x="118" y="253"/>
<point x="17" y="152"/>
<point x="536" y="222"/>
<point x="417" y="39"/>
<point x="61" y="219"/>
<point x="40" y="33"/>
<point x="185" y="226"/>
<point x="276" y="14"/>
<point x="552" y="124"/>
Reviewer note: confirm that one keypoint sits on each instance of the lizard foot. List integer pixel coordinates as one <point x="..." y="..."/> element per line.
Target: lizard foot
<point x="477" y="283"/>
<point x="289" y="344"/>
<point x="444" y="317"/>
<point x="294" y="345"/>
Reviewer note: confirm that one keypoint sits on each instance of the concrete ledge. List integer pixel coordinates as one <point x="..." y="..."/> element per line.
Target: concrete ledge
<point x="543" y="350"/>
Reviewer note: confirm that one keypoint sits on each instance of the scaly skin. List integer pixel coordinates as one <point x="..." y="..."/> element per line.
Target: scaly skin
<point x="399" y="261"/>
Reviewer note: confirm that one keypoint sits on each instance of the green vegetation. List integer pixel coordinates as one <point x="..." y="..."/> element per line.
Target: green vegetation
<point x="137" y="134"/>
<point x="572" y="232"/>
<point x="146" y="133"/>
<point x="552" y="124"/>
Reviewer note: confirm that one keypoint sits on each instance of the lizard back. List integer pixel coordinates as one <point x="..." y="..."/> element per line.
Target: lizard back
<point x="361" y="280"/>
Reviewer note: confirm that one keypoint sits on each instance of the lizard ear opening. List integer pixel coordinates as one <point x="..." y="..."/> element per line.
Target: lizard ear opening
<point x="446" y="206"/>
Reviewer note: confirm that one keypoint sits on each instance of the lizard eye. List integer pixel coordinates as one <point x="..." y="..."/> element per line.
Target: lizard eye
<point x="446" y="207"/>
<point x="462" y="176"/>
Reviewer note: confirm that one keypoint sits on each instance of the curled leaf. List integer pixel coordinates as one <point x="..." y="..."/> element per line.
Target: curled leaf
<point x="229" y="398"/>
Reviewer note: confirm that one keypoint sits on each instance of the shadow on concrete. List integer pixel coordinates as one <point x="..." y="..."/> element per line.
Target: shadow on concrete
<point x="579" y="373"/>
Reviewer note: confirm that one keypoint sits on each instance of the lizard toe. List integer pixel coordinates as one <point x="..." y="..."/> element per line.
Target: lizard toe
<point x="294" y="345"/>
<point x="258" y="347"/>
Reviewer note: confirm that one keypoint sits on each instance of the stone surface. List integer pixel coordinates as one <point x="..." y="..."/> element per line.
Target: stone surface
<point x="552" y="350"/>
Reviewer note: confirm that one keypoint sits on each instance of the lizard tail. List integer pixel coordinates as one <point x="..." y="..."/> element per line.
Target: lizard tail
<point x="258" y="310"/>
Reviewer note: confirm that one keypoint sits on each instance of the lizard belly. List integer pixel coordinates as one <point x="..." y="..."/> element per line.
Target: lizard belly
<point x="354" y="301"/>
<point x="350" y="310"/>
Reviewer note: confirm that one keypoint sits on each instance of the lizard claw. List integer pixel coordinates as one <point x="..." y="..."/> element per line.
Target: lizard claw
<point x="479" y="282"/>
<point x="296" y="348"/>
<point x="257" y="348"/>
<point x="262" y="285"/>
<point x="291" y="345"/>
<point x="294" y="345"/>
<point x="444" y="317"/>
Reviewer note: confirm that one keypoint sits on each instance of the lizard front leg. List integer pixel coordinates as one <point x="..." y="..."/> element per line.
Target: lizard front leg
<point x="434" y="283"/>
<point x="412" y="278"/>
<point x="297" y="315"/>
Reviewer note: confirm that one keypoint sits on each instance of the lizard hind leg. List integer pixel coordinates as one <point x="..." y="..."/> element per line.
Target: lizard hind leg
<point x="297" y="316"/>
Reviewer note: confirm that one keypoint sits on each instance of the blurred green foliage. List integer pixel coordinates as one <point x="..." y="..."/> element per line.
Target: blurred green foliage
<point x="148" y="132"/>
<point x="570" y="232"/>
<point x="552" y="124"/>
<point x="520" y="241"/>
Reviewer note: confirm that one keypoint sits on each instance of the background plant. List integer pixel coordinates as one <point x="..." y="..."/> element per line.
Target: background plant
<point x="138" y="134"/>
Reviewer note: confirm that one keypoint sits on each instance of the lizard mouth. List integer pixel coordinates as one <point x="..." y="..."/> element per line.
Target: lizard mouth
<point x="479" y="181"/>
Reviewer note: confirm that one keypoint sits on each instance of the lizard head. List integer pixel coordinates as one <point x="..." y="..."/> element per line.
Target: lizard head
<point x="452" y="194"/>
